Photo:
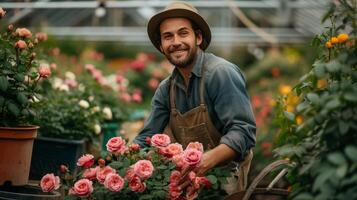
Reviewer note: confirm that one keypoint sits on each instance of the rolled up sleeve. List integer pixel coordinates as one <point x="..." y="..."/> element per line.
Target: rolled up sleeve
<point x="233" y="108"/>
<point x="158" y="118"/>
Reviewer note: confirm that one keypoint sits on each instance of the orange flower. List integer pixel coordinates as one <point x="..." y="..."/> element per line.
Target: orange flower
<point x="342" y="37"/>
<point x="290" y="108"/>
<point x="299" y="120"/>
<point x="284" y="89"/>
<point x="328" y="45"/>
<point x="334" y="40"/>
<point x="321" y="83"/>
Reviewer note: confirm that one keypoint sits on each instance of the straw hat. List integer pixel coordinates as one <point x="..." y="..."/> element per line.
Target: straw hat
<point x="178" y="9"/>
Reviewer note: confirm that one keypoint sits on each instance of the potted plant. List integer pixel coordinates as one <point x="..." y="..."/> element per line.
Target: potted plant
<point x="20" y="74"/>
<point x="70" y="125"/>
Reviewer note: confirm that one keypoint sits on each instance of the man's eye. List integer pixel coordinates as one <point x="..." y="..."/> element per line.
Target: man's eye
<point x="184" y="33"/>
<point x="166" y="37"/>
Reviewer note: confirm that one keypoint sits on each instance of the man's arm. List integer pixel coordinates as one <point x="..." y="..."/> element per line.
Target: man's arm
<point x="231" y="103"/>
<point x="158" y="118"/>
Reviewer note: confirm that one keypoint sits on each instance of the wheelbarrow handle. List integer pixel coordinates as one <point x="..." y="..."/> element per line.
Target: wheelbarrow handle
<point x="263" y="174"/>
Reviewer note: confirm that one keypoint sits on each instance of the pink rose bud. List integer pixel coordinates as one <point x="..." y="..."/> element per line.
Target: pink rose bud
<point x="33" y="56"/>
<point x="10" y="27"/>
<point x="41" y="36"/>
<point x="103" y="172"/>
<point x="82" y="188"/>
<point x="86" y="161"/>
<point x="101" y="162"/>
<point x="160" y="140"/>
<point x="144" y="169"/>
<point x="191" y="175"/>
<point x="114" y="182"/>
<point x="31" y="45"/>
<point x="20" y="44"/>
<point x="50" y="182"/>
<point x="175" y="177"/>
<point x="44" y="71"/>
<point x="2" y="12"/>
<point x="116" y="145"/>
<point x="53" y="66"/>
<point x="134" y="147"/>
<point x="23" y="32"/>
<point x="148" y="140"/>
<point x="192" y="157"/>
<point x="138" y="65"/>
<point x="137" y="98"/>
<point x="63" y="169"/>
<point x="136" y="185"/>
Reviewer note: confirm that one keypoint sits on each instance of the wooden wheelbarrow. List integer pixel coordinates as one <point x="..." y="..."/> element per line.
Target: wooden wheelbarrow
<point x="252" y="190"/>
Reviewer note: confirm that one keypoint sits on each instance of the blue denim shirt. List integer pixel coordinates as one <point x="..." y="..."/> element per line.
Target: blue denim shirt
<point x="225" y="96"/>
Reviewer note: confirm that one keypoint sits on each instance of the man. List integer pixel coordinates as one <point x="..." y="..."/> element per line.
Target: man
<point x="205" y="98"/>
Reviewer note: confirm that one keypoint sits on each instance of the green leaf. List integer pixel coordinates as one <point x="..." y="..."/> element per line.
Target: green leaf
<point x="116" y="164"/>
<point x="313" y="97"/>
<point x="212" y="179"/>
<point x="342" y="170"/>
<point x="4" y="83"/>
<point x="351" y="152"/>
<point x="334" y="103"/>
<point x="302" y="106"/>
<point x="322" y="178"/>
<point x="304" y="196"/>
<point x="21" y="98"/>
<point x="333" y="66"/>
<point x="289" y="115"/>
<point x="19" y="77"/>
<point x="14" y="110"/>
<point x="351" y="96"/>
<point x="146" y="196"/>
<point x="343" y="127"/>
<point x="336" y="158"/>
<point x="319" y="70"/>
<point x="161" y="167"/>
<point x="2" y="100"/>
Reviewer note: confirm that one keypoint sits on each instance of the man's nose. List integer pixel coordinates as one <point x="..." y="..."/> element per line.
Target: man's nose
<point x="176" y="40"/>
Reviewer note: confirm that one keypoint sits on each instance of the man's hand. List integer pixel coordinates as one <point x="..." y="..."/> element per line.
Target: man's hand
<point x="219" y="155"/>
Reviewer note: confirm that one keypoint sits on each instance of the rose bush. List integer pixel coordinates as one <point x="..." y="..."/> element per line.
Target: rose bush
<point x="128" y="172"/>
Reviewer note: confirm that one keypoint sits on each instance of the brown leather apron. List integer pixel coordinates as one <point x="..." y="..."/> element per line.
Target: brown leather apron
<point x="196" y="126"/>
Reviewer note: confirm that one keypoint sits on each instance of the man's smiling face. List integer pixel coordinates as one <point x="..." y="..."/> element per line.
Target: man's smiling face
<point x="179" y="42"/>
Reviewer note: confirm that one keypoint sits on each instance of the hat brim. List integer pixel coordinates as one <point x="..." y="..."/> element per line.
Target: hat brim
<point x="155" y="21"/>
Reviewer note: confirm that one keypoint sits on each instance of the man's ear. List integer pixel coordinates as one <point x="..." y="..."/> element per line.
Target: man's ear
<point x="199" y="37"/>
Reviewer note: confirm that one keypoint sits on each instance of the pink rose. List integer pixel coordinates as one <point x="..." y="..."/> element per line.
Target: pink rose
<point x="114" y="182"/>
<point x="44" y="71"/>
<point x="175" y="177"/>
<point x="50" y="182"/>
<point x="21" y="44"/>
<point x="136" y="97"/>
<point x="90" y="173"/>
<point x="174" y="191"/>
<point x="192" y="156"/>
<point x="191" y="175"/>
<point x="134" y="147"/>
<point x="86" y="160"/>
<point x="136" y="185"/>
<point x="53" y="66"/>
<point x="82" y="188"/>
<point x="125" y="97"/>
<point x="130" y="173"/>
<point x="119" y="78"/>
<point x="103" y="172"/>
<point x="173" y="149"/>
<point x="138" y="65"/>
<point x="153" y="83"/>
<point x="2" y="12"/>
<point x="143" y="168"/>
<point x="41" y="36"/>
<point x="203" y="181"/>
<point x="160" y="140"/>
<point x="191" y="193"/>
<point x="89" y="67"/>
<point x="157" y="74"/>
<point x="71" y="83"/>
<point x="23" y="32"/>
<point x="179" y="161"/>
<point x="116" y="145"/>
<point x="195" y="145"/>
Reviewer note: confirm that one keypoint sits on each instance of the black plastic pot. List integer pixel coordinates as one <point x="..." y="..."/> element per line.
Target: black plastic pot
<point x="27" y="192"/>
<point x="49" y="153"/>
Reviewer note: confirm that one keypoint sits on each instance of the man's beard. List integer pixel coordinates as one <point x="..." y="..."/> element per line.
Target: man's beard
<point x="182" y="63"/>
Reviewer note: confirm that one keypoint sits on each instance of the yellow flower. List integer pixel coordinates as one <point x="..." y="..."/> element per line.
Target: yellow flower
<point x="292" y="99"/>
<point x="334" y="40"/>
<point x="290" y="108"/>
<point x="342" y="37"/>
<point x="328" y="45"/>
<point x="284" y="89"/>
<point x="299" y="120"/>
<point x="272" y="103"/>
<point x="321" y="83"/>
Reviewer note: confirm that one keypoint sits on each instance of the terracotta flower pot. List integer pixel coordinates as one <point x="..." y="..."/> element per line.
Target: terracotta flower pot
<point x="15" y="155"/>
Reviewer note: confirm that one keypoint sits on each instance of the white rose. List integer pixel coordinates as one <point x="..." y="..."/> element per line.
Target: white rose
<point x="56" y="83"/>
<point x="83" y="104"/>
<point x="63" y="87"/>
<point x="90" y="98"/>
<point x="70" y="75"/>
<point x="97" y="129"/>
<point x="108" y="115"/>
<point x="81" y="87"/>
<point x="95" y="109"/>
